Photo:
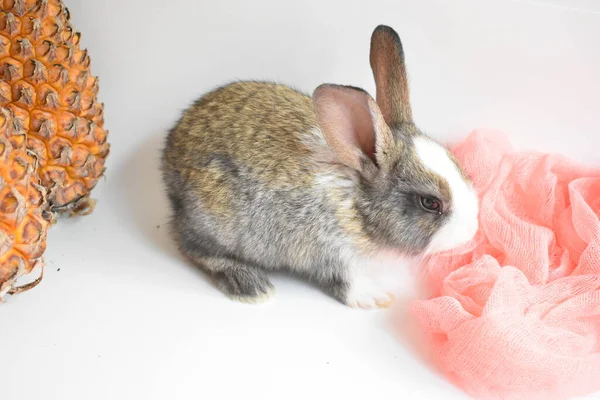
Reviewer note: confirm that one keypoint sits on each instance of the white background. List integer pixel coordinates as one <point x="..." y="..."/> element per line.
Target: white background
<point x="127" y="318"/>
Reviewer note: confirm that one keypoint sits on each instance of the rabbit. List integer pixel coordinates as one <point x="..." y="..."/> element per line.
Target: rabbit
<point x="261" y="177"/>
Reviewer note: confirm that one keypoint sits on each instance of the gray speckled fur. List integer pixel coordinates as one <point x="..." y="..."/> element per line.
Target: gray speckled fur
<point x="242" y="168"/>
<point x="271" y="229"/>
<point x="269" y="225"/>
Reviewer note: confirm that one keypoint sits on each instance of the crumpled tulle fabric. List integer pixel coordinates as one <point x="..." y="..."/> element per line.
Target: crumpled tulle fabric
<point x="515" y="314"/>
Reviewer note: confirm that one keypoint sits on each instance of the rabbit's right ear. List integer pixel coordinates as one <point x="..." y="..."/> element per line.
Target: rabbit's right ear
<point x="389" y="71"/>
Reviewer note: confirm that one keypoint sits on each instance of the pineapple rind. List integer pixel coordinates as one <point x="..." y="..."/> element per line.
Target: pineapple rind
<point x="23" y="225"/>
<point x="46" y="75"/>
<point x="53" y="144"/>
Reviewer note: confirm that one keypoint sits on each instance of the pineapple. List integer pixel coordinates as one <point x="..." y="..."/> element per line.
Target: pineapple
<point x="52" y="138"/>
<point x="46" y="77"/>
<point x="22" y="203"/>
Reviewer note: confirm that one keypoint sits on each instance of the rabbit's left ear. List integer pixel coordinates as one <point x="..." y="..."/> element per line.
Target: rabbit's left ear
<point x="353" y="126"/>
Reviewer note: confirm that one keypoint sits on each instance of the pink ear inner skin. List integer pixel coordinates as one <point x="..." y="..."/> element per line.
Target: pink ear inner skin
<point x="345" y="119"/>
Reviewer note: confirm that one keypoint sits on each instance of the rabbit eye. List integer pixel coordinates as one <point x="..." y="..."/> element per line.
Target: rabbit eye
<point x="431" y="204"/>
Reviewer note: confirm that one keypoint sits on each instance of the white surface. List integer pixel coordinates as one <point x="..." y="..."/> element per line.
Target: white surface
<point x="126" y="318"/>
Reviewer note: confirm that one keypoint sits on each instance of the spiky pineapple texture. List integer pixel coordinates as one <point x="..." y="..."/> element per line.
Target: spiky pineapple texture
<point x="48" y="100"/>
<point x="45" y="74"/>
<point x="22" y="203"/>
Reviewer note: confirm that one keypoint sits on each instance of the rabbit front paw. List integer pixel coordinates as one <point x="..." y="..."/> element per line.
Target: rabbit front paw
<point x="365" y="293"/>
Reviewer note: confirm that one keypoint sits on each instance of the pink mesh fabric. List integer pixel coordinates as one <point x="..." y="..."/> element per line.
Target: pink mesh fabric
<point x="516" y="313"/>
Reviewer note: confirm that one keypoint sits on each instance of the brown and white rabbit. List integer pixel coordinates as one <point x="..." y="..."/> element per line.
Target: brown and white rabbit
<point x="261" y="177"/>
